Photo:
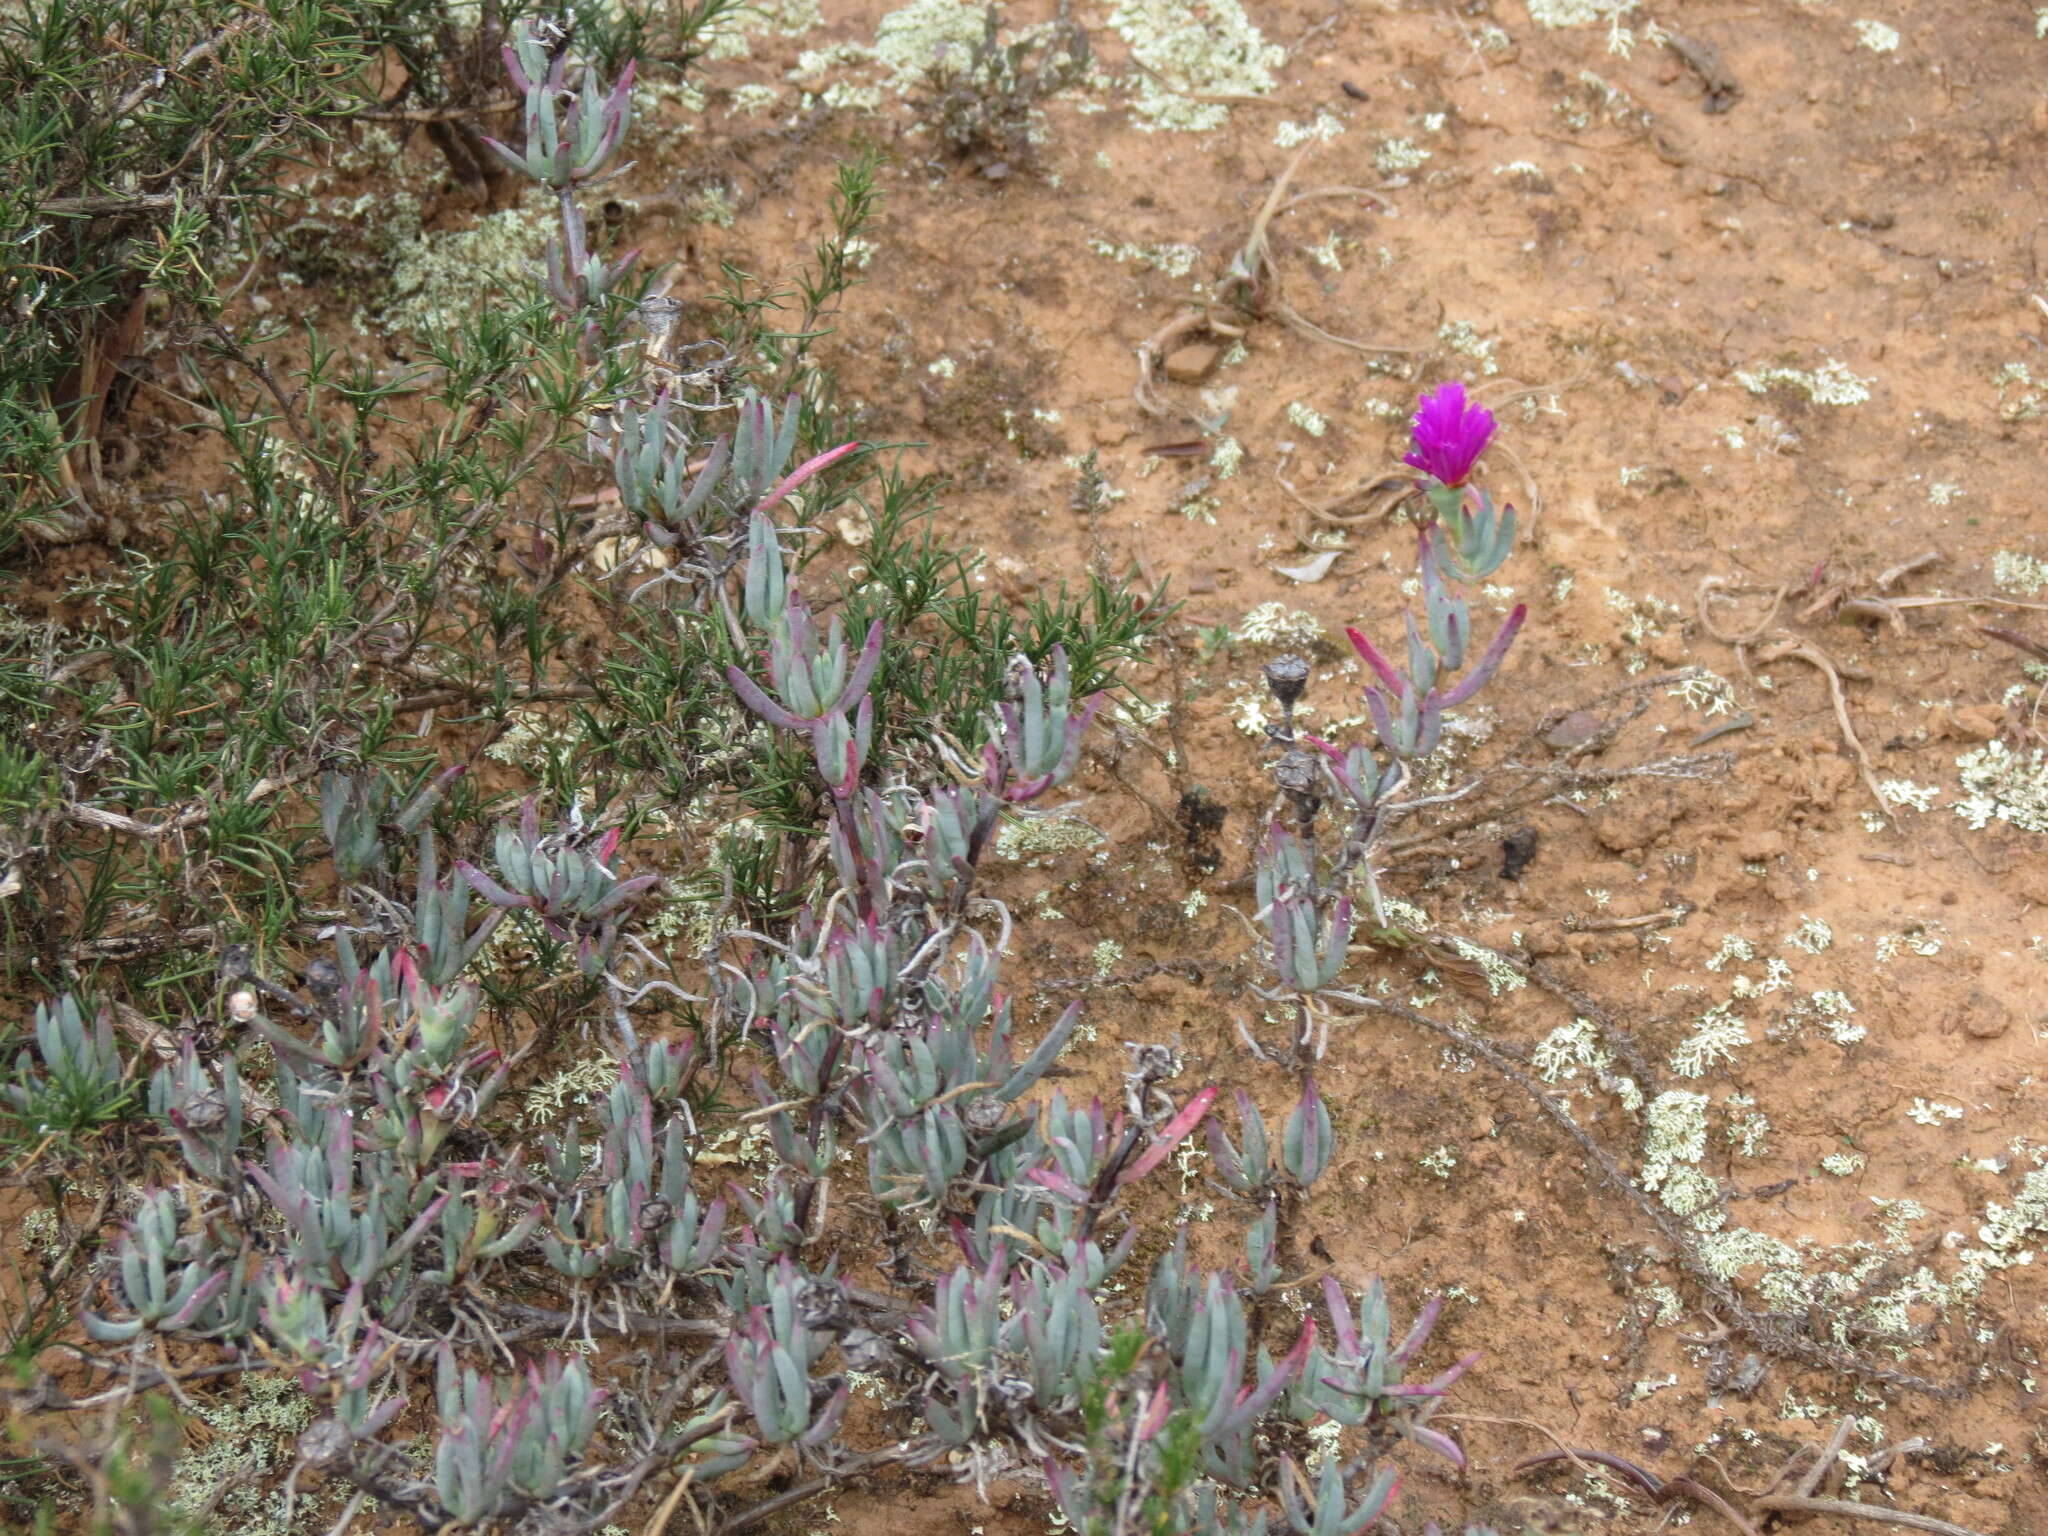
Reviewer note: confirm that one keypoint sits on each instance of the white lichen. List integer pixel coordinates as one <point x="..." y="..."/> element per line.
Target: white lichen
<point x="2021" y="574"/>
<point x="1708" y="692"/>
<point x="1277" y="624"/>
<point x="1567" y="1048"/>
<point x="1175" y="260"/>
<point x="247" y="1436"/>
<point x="580" y="1083"/>
<point x="1717" y="1035"/>
<point x="1812" y="935"/>
<point x="1328" y="254"/>
<point x="1025" y="837"/>
<point x="1747" y="1125"/>
<point x="910" y="41"/>
<point x="1920" y="797"/>
<point x="1397" y="157"/>
<point x="1578" y="13"/>
<point x="1501" y="978"/>
<point x="1733" y="947"/>
<point x="1308" y="418"/>
<point x="1933" y="1112"/>
<point x="1441" y="1161"/>
<point x="1189" y="52"/>
<point x="1674" y="1134"/>
<point x="1290" y="135"/>
<point x="1462" y="337"/>
<point x="441" y="278"/>
<point x="532" y="737"/>
<point x="1829" y="384"/>
<point x="1728" y="1252"/>
<point x="2003" y="785"/>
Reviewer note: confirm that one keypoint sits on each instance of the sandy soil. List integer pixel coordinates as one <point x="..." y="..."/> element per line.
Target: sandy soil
<point x="1603" y="262"/>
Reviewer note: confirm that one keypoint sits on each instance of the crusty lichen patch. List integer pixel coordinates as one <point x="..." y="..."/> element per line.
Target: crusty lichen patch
<point x="1577" y="13"/>
<point x="911" y="40"/>
<point x="2017" y="572"/>
<point x="2000" y="784"/>
<point x="1188" y="51"/>
<point x="1830" y="383"/>
<point x="442" y="276"/>
<point x="1026" y="838"/>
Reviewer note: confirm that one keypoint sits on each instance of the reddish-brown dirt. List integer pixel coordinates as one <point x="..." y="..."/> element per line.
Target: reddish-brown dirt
<point x="1880" y="209"/>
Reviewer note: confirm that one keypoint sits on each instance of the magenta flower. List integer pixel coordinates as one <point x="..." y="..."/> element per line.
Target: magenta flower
<point x="1450" y="434"/>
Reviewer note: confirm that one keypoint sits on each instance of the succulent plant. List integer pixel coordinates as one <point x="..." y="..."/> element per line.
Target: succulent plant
<point x="355" y="815"/>
<point x="1310" y="948"/>
<point x="1307" y="1140"/>
<point x="1042" y="732"/>
<point x="570" y="136"/>
<point x="164" y="1280"/>
<point x="771" y="1357"/>
<point x="1247" y="1172"/>
<point x="203" y="1112"/>
<point x="1326" y="1509"/>
<point x="440" y="918"/>
<point x="571" y="888"/>
<point x="1359" y="1378"/>
<point x="373" y="1206"/>
<point x="75" y="1080"/>
<point x="504" y="1444"/>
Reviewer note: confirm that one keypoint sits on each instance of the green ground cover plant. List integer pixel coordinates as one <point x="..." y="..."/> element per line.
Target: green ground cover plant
<point x="220" y="768"/>
<point x="497" y="907"/>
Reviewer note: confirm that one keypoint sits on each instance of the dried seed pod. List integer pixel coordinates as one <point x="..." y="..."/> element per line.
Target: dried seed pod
<point x="1297" y="774"/>
<point x="985" y="1113"/>
<point x="325" y="1443"/>
<point x="1287" y="676"/>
